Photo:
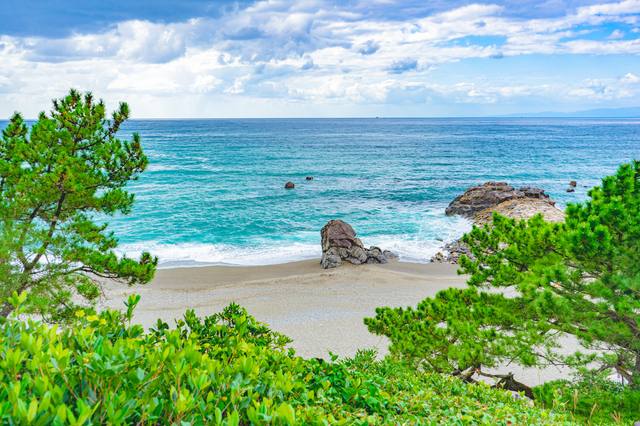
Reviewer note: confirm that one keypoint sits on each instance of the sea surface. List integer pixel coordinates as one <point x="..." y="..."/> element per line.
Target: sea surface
<point x="214" y="189"/>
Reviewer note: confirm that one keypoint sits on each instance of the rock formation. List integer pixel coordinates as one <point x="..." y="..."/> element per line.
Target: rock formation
<point x="479" y="202"/>
<point x="339" y="243"/>
<point x="452" y="253"/>
<point x="522" y="208"/>
<point x="289" y="185"/>
<point x="309" y="178"/>
<point x="481" y="197"/>
<point x="573" y="183"/>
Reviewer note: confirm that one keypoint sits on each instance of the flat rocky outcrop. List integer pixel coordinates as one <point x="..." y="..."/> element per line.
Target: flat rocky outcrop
<point x="339" y="243"/>
<point x="481" y="197"/>
<point x="522" y="208"/>
<point x="479" y="202"/>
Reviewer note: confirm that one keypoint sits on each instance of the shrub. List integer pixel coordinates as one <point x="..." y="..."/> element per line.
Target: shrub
<point x="227" y="369"/>
<point x="591" y="398"/>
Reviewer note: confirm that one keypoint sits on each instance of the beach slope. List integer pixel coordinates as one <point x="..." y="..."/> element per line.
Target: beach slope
<point x="321" y="310"/>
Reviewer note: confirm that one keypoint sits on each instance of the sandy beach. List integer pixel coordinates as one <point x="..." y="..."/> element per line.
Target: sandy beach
<point x="321" y="310"/>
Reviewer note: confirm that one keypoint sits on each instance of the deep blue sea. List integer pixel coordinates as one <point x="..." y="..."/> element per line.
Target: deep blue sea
<point x="214" y="189"/>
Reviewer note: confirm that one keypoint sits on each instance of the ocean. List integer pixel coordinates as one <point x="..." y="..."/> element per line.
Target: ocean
<point x="214" y="194"/>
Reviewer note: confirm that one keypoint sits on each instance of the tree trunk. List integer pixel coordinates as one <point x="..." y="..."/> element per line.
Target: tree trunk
<point x="509" y="383"/>
<point x="6" y="310"/>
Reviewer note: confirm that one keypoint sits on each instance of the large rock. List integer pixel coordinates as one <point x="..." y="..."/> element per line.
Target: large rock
<point x="523" y="208"/>
<point x="481" y="197"/>
<point x="339" y="243"/>
<point x="479" y="203"/>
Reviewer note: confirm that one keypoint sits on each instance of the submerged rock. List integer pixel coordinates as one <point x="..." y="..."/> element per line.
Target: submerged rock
<point x="309" y="178"/>
<point x="339" y="243"/>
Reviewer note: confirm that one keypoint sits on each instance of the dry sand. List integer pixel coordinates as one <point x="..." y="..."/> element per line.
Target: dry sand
<point x="321" y="310"/>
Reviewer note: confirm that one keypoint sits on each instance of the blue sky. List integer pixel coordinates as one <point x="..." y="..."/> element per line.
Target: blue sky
<point x="318" y="58"/>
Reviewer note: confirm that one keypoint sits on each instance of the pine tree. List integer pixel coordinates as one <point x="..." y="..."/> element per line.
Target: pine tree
<point x="54" y="179"/>
<point x="579" y="278"/>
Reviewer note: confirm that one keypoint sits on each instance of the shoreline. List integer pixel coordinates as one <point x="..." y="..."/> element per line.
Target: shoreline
<point x="196" y="264"/>
<point x="320" y="309"/>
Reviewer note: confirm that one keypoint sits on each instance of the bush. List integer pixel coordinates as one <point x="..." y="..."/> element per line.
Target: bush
<point x="227" y="369"/>
<point x="591" y="398"/>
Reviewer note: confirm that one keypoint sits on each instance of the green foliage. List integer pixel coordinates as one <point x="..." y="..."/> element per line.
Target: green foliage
<point x="579" y="278"/>
<point x="457" y="330"/>
<point x="53" y="179"/>
<point x="227" y="369"/>
<point x="591" y="398"/>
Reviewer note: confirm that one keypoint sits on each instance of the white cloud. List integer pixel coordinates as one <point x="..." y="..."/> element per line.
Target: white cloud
<point x="316" y="52"/>
<point x="204" y="84"/>
<point x="615" y="34"/>
<point x="630" y="78"/>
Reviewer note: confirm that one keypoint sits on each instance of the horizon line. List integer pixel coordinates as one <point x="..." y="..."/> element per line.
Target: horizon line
<point x="510" y="116"/>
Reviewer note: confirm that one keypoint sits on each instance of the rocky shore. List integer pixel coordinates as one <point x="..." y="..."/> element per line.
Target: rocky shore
<point x="479" y="202"/>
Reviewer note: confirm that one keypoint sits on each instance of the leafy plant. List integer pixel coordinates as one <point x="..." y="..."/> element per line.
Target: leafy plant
<point x="224" y="370"/>
<point x="592" y="398"/>
<point x="54" y="178"/>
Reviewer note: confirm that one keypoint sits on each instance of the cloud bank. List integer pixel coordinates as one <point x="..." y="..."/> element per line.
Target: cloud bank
<point x="321" y="58"/>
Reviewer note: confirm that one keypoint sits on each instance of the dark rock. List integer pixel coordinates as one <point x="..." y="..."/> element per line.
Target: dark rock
<point x="481" y="197"/>
<point x="571" y="190"/>
<point x="339" y="243"/>
<point x="375" y="255"/>
<point x="330" y="261"/>
<point x="452" y="253"/>
<point x="390" y="255"/>
<point x="573" y="183"/>
<point x="309" y="178"/>
<point x="479" y="202"/>
<point x="531" y="192"/>
<point x="289" y="185"/>
<point x="586" y="186"/>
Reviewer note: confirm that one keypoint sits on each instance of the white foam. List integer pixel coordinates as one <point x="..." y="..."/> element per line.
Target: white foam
<point x="419" y="248"/>
<point x="198" y="254"/>
<point x="435" y="232"/>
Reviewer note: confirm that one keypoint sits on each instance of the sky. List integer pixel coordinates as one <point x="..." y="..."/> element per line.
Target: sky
<point x="322" y="58"/>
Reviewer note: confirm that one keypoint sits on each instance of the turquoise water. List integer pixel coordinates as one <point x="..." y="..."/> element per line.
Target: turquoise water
<point x="214" y="190"/>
